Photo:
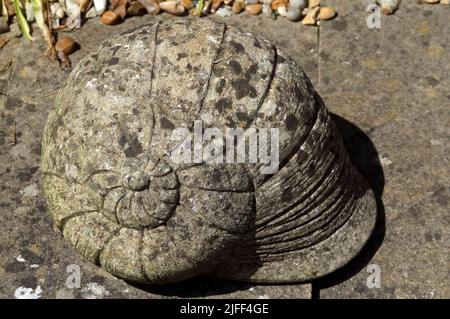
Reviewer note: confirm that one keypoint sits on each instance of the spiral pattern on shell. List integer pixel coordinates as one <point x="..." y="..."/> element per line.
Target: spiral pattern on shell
<point x="119" y="199"/>
<point x="142" y="194"/>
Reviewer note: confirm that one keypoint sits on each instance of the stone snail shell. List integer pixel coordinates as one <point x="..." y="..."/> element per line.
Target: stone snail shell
<point x="119" y="200"/>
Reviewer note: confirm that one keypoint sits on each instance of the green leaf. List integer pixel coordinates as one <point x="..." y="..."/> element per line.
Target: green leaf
<point x="38" y="11"/>
<point x="200" y="5"/>
<point x="23" y="24"/>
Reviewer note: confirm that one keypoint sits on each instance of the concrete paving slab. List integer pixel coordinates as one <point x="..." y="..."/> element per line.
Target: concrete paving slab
<point x="390" y="92"/>
<point x="394" y="84"/>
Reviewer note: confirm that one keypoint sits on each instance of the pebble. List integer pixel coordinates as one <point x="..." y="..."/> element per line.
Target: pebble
<point x="224" y="12"/>
<point x="73" y="11"/>
<point x="172" y="7"/>
<point x="136" y="9"/>
<point x="151" y="6"/>
<point x="313" y="3"/>
<point x="121" y="8"/>
<point x="294" y="14"/>
<point x="293" y="10"/>
<point x="253" y="9"/>
<point x="100" y="6"/>
<point x="301" y="4"/>
<point x="327" y="13"/>
<point x="238" y="6"/>
<point x="58" y="12"/>
<point x="92" y="13"/>
<point x="187" y="4"/>
<point x="66" y="45"/>
<point x="278" y="3"/>
<point x="388" y="6"/>
<point x="311" y="17"/>
<point x="216" y="4"/>
<point x="110" y="18"/>
<point x="282" y="11"/>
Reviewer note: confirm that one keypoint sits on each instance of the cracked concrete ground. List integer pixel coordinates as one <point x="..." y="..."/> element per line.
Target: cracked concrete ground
<point x="390" y="92"/>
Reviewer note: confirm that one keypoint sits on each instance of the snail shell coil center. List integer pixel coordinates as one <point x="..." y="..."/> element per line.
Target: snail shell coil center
<point x="137" y="181"/>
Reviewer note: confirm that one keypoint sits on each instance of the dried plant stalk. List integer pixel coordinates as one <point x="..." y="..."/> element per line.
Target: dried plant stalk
<point x="41" y="10"/>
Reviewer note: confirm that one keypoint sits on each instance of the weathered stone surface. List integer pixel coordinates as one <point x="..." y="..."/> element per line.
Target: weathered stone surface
<point x="119" y="199"/>
<point x="3" y="24"/>
<point x="401" y="125"/>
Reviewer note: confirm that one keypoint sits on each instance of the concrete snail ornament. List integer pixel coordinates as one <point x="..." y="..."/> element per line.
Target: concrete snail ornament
<point x="119" y="199"/>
